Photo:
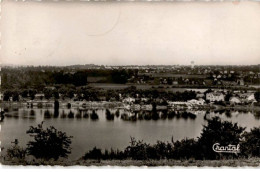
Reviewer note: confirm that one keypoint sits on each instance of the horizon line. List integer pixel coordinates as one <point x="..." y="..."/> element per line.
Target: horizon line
<point x="91" y="64"/>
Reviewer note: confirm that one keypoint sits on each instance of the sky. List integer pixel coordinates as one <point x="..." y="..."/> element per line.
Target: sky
<point x="123" y="33"/>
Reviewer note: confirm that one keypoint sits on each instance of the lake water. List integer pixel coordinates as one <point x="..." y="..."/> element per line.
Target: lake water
<point x="103" y="133"/>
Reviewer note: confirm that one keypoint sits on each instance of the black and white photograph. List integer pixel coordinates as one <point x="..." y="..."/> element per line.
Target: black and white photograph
<point x="130" y="83"/>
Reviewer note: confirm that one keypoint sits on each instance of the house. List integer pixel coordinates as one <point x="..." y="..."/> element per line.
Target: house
<point x="199" y="95"/>
<point x="234" y="100"/>
<point x="196" y="102"/>
<point x="148" y="107"/>
<point x="177" y="103"/>
<point x="144" y="99"/>
<point x="129" y="100"/>
<point x="240" y="82"/>
<point x="49" y="87"/>
<point x="215" y="96"/>
<point x="175" y="82"/>
<point x="247" y="97"/>
<point x="39" y="96"/>
<point x="102" y="98"/>
<point x="219" y="76"/>
<point x="251" y="98"/>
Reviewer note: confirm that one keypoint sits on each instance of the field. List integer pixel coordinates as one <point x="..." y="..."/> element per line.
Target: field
<point x="108" y="86"/>
<point x="171" y="75"/>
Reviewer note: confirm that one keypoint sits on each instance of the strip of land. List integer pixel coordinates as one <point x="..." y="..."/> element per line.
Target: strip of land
<point x="251" y="162"/>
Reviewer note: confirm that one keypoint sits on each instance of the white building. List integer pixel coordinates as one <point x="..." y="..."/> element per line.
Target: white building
<point x="251" y="98"/>
<point x="39" y="96"/>
<point x="234" y="100"/>
<point x="1" y="96"/>
<point x="214" y="96"/>
<point x="129" y="100"/>
<point x="196" y="102"/>
<point x="247" y="97"/>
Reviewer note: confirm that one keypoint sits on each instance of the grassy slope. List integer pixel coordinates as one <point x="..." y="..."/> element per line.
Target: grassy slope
<point x="252" y="162"/>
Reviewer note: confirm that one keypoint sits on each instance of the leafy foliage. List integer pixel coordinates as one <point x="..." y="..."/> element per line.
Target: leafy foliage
<point x="137" y="149"/>
<point x="251" y="143"/>
<point x="217" y="131"/>
<point x="48" y="143"/>
<point x="15" y="151"/>
<point x="185" y="149"/>
<point x="95" y="153"/>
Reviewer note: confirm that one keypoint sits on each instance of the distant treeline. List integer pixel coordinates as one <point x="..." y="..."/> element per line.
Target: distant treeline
<point x="16" y="78"/>
<point x="95" y="94"/>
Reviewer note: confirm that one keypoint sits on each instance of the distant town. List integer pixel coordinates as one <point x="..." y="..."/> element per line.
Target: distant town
<point x="132" y="87"/>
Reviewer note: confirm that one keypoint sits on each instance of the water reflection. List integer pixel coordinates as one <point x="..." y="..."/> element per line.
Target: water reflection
<point x="117" y="113"/>
<point x="71" y="114"/>
<point x="47" y="114"/>
<point x="32" y="112"/>
<point x="125" y="115"/>
<point x="63" y="115"/>
<point x="94" y="116"/>
<point x="257" y="116"/>
<point x="78" y="114"/>
<point x="228" y="114"/>
<point x="86" y="115"/>
<point x="109" y="115"/>
<point x="2" y="116"/>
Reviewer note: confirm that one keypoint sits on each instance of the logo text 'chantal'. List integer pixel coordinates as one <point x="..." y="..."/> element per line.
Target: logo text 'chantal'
<point x="227" y="149"/>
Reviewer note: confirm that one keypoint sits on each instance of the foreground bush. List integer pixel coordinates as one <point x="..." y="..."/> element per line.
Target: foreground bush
<point x="48" y="143"/>
<point x="185" y="149"/>
<point x="250" y="146"/>
<point x="137" y="150"/>
<point x="97" y="154"/>
<point x="15" y="151"/>
<point x="217" y="131"/>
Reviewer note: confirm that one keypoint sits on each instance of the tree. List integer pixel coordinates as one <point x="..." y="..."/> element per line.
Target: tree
<point x="24" y="93"/>
<point x="137" y="150"/>
<point x="70" y="93"/>
<point x="251" y="143"/>
<point x="217" y="131"/>
<point x="7" y="95"/>
<point x="155" y="115"/>
<point x="15" y="95"/>
<point x="228" y="96"/>
<point x="15" y="151"/>
<point x="56" y="94"/>
<point x="48" y="143"/>
<point x="95" y="153"/>
<point x="185" y="149"/>
<point x="47" y="93"/>
<point x="257" y="96"/>
<point x="32" y="94"/>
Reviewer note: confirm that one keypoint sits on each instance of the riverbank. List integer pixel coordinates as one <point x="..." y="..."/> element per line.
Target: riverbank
<point x="107" y="104"/>
<point x="238" y="107"/>
<point x="251" y="162"/>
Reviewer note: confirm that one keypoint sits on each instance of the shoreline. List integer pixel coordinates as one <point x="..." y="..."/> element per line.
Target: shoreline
<point x="121" y="105"/>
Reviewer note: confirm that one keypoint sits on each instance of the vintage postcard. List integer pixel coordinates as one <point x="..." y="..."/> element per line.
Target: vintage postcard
<point x="130" y="83"/>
